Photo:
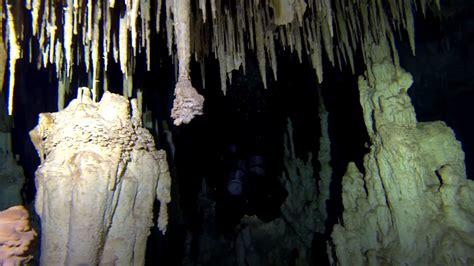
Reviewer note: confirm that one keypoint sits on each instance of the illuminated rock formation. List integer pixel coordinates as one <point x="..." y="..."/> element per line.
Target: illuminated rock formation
<point x="414" y="205"/>
<point x="16" y="236"/>
<point x="187" y="103"/>
<point x="99" y="176"/>
<point x="72" y="32"/>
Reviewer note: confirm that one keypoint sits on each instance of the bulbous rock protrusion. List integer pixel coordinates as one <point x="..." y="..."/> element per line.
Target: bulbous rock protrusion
<point x="187" y="103"/>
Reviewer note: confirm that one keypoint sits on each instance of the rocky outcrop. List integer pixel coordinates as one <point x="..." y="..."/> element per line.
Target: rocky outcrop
<point x="288" y="240"/>
<point x="11" y="174"/>
<point x="16" y="236"/>
<point x="99" y="176"/>
<point x="11" y="178"/>
<point x="413" y="205"/>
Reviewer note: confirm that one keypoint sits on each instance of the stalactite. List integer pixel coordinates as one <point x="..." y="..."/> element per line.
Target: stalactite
<point x="133" y="16"/>
<point x="187" y="103"/>
<point x="14" y="54"/>
<point x="169" y="24"/>
<point x="95" y="51"/>
<point x="213" y="8"/>
<point x="338" y="27"/>
<point x="260" y="46"/>
<point x="158" y="15"/>
<point x="324" y="158"/>
<point x="62" y="84"/>
<point x="51" y="28"/>
<point x="410" y="24"/>
<point x="123" y="45"/>
<point x="107" y="27"/>
<point x="35" y="14"/>
<point x="145" y="16"/>
<point x="3" y="55"/>
<point x="75" y="16"/>
<point x="202" y="7"/>
<point x="68" y="34"/>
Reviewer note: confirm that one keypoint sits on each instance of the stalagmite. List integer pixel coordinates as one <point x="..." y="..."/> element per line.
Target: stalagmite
<point x="413" y="206"/>
<point x="188" y="102"/>
<point x="98" y="182"/>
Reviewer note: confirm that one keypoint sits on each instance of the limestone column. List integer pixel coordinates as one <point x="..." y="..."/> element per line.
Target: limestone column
<point x="413" y="205"/>
<point x="97" y="182"/>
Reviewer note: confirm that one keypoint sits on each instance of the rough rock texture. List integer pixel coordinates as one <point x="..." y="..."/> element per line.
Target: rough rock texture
<point x="97" y="182"/>
<point x="214" y="248"/>
<point x="188" y="102"/>
<point x="284" y="241"/>
<point x="11" y="174"/>
<point x="11" y="181"/>
<point x="414" y="205"/>
<point x="16" y="236"/>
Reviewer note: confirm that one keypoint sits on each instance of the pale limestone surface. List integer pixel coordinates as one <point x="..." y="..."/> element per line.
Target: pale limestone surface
<point x="414" y="205"/>
<point x="97" y="183"/>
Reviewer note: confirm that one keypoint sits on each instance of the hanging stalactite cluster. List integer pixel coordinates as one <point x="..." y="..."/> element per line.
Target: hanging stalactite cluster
<point x="73" y="32"/>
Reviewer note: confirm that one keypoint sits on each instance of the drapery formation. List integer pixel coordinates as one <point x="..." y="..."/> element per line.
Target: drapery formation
<point x="93" y="33"/>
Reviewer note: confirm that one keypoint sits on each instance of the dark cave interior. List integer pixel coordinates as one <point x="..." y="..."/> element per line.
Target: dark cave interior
<point x="252" y="121"/>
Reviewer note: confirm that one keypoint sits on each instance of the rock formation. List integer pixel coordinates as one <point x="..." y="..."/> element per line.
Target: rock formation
<point x="11" y="178"/>
<point x="99" y="176"/>
<point x="98" y="33"/>
<point x="283" y="241"/>
<point x="11" y="174"/>
<point x="288" y="240"/>
<point x="16" y="236"/>
<point x="413" y="205"/>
